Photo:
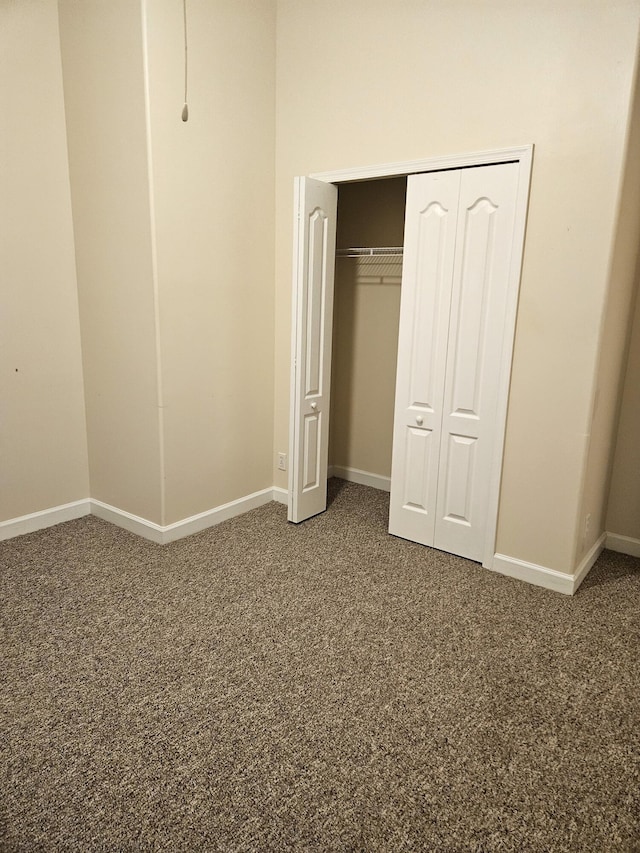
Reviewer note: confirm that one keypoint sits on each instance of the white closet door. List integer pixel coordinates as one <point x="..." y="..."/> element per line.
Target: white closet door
<point x="427" y="273"/>
<point x="458" y="245"/>
<point x="486" y="216"/>
<point x="314" y="260"/>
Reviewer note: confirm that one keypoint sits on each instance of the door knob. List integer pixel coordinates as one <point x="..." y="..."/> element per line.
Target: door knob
<point x="314" y="406"/>
<point x="419" y="420"/>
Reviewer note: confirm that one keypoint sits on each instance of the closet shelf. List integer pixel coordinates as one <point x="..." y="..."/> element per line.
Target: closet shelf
<point x="370" y="252"/>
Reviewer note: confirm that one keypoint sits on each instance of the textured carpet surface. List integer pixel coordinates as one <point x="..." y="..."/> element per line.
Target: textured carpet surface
<point x="327" y="687"/>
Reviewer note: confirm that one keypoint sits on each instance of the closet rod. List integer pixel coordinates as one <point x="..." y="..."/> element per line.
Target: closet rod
<point x="370" y="252"/>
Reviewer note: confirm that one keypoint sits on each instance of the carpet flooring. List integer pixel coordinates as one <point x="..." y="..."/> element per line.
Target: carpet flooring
<point x="327" y="687"/>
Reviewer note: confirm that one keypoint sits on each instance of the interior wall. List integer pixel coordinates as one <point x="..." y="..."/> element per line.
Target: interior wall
<point x="103" y="64"/>
<point x="213" y="185"/>
<point x="42" y="428"/>
<point x="365" y="327"/>
<point x="386" y="82"/>
<point x="613" y="348"/>
<point x="174" y="237"/>
<point x="623" y="513"/>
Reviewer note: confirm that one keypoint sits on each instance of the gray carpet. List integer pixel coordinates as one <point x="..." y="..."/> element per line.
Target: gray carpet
<point x="265" y="687"/>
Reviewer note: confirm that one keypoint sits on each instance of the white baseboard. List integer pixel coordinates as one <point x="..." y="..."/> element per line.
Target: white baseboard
<point x="510" y="566"/>
<point x="532" y="573"/>
<point x="588" y="560"/>
<point x="548" y="578"/>
<point x="281" y="496"/>
<point x="187" y="526"/>
<point x="364" y="478"/>
<point x="133" y="523"/>
<point x="623" y="544"/>
<point x="45" y="518"/>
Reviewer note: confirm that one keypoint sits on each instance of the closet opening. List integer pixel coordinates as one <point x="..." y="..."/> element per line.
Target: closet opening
<point x="400" y="372"/>
<point x="366" y="313"/>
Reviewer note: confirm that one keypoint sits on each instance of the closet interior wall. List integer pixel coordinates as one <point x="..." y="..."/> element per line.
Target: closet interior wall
<point x="365" y="328"/>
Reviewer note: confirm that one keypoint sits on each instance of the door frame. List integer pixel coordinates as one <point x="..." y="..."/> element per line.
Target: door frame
<point x="523" y="156"/>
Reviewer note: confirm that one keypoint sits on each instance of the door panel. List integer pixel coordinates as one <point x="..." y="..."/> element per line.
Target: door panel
<point x="311" y="455"/>
<point x="479" y="288"/>
<point x="426" y="335"/>
<point x="459" y="473"/>
<point x="315" y="295"/>
<point x="418" y="471"/>
<point x="469" y="315"/>
<point x="314" y="259"/>
<point x="427" y="271"/>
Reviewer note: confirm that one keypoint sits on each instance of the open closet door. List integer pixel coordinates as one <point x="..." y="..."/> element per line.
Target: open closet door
<point x="315" y="206"/>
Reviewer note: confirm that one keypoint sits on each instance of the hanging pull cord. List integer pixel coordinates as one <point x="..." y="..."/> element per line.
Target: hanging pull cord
<point x="185" y="108"/>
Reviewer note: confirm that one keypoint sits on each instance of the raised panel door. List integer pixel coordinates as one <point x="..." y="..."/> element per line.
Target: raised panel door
<point x="479" y="288"/>
<point x="430" y="232"/>
<point x="316" y="208"/>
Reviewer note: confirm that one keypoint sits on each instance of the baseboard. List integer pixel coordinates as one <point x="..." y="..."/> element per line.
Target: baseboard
<point x="281" y="496"/>
<point x="211" y="517"/>
<point x="187" y="526"/>
<point x="588" y="560"/>
<point x="623" y="544"/>
<point x="45" y="518"/>
<point x="548" y="578"/>
<point x="364" y="478"/>
<point x="133" y="523"/>
<point x="533" y="573"/>
<point x="502" y="564"/>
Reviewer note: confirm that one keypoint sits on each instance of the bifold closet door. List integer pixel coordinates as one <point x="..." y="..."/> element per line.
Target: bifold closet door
<point x="427" y="273"/>
<point x="316" y="204"/>
<point x="459" y="230"/>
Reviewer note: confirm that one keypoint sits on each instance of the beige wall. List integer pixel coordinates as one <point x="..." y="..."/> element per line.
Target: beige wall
<point x="365" y="331"/>
<point x="103" y="67"/>
<point x="613" y="345"/>
<point x="213" y="185"/>
<point x="389" y="82"/>
<point x="174" y="234"/>
<point x="42" y="428"/>
<point x="623" y="515"/>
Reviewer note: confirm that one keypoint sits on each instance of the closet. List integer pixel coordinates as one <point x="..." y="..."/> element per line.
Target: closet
<point x="368" y="271"/>
<point x="462" y="247"/>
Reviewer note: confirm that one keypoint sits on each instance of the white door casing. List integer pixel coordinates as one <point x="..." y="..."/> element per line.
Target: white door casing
<point x="315" y="212"/>
<point x="458" y="258"/>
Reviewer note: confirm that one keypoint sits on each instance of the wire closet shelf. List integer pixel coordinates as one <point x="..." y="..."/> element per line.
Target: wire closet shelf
<point x="370" y="252"/>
